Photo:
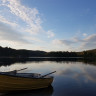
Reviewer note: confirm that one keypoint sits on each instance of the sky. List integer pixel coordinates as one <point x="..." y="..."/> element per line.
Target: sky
<point x="48" y="25"/>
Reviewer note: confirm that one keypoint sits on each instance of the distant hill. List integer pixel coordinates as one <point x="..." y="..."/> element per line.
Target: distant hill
<point x="9" y="52"/>
<point x="89" y="53"/>
<point x="93" y="50"/>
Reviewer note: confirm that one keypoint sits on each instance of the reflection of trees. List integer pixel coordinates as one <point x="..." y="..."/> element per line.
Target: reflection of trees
<point x="91" y="61"/>
<point x="40" y="92"/>
<point x="9" y="61"/>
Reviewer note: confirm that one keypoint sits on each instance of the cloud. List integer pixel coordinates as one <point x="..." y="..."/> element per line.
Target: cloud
<point x="4" y="20"/>
<point x="84" y="34"/>
<point x="65" y="42"/>
<point x="9" y="34"/>
<point x="50" y="34"/>
<point x="21" y="23"/>
<point x="28" y="15"/>
<point x="33" y="39"/>
<point x="62" y="45"/>
<point x="91" y="38"/>
<point x="89" y="42"/>
<point x="56" y="42"/>
<point x="78" y="44"/>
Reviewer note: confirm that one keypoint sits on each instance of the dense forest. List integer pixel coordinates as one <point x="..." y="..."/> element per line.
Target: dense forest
<point x="22" y="53"/>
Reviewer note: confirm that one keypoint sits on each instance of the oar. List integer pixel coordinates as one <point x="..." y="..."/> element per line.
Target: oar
<point x="18" y="70"/>
<point x="47" y="74"/>
<point x="21" y="69"/>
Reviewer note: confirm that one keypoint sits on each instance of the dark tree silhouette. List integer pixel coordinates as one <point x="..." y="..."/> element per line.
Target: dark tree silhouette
<point x="9" y="52"/>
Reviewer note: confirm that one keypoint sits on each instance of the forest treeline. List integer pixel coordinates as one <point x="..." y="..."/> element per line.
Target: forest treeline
<point x="9" y="52"/>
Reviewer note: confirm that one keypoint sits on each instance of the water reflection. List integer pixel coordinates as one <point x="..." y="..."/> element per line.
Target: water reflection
<point x="41" y="92"/>
<point x="85" y="74"/>
<point x="73" y="77"/>
<point x="9" y="61"/>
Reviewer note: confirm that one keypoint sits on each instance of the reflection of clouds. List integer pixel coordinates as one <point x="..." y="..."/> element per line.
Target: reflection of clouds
<point x="66" y="72"/>
<point x="40" y="67"/>
<point x="75" y="70"/>
<point x="86" y="74"/>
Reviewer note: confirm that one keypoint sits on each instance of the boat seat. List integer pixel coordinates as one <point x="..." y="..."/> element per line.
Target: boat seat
<point x="32" y="75"/>
<point x="14" y="73"/>
<point x="10" y="72"/>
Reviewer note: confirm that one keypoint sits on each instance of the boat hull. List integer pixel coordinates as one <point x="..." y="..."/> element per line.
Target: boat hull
<point x="13" y="83"/>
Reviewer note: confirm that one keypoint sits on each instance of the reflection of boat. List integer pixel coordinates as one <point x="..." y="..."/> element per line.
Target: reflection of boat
<point x="12" y="81"/>
<point x="39" y="92"/>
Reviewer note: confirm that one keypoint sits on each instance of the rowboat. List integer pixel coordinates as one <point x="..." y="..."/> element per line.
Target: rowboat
<point x="13" y="81"/>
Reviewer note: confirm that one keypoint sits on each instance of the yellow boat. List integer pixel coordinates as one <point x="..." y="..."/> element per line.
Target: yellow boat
<point x="13" y="81"/>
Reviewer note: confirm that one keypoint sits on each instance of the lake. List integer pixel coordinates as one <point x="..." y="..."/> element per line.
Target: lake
<point x="72" y="77"/>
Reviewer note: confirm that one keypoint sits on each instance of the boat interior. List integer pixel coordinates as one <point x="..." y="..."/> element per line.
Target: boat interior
<point x="30" y="75"/>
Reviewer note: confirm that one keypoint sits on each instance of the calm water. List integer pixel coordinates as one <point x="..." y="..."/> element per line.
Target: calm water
<point x="72" y="78"/>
